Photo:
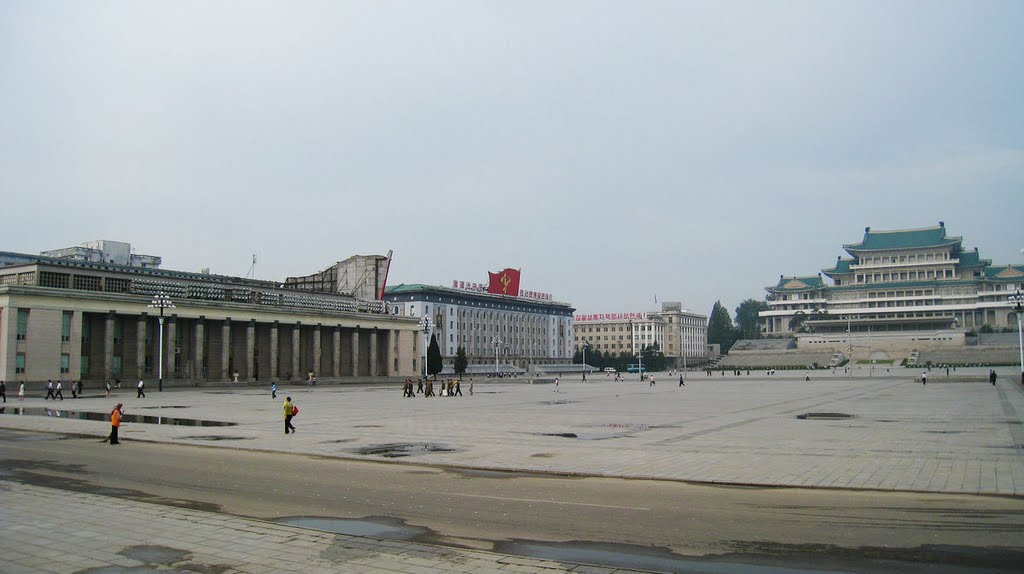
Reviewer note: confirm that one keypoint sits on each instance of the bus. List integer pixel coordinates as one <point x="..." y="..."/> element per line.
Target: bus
<point x="636" y="368"/>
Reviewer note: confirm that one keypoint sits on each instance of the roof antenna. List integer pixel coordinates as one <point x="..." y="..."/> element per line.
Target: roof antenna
<point x="252" y="268"/>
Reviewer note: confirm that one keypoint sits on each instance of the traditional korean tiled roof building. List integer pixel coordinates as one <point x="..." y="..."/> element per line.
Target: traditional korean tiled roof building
<point x="899" y="280"/>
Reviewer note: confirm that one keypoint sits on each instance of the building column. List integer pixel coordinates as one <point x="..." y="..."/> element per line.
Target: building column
<point x="336" y="350"/>
<point x="140" y="345"/>
<point x="316" y="351"/>
<point x="108" y="347"/>
<point x="197" y="357"/>
<point x="250" y="351"/>
<point x="394" y="337"/>
<point x="273" y="351"/>
<point x="374" y="359"/>
<point x="355" y="352"/>
<point x="170" y="339"/>
<point x="225" y="349"/>
<point x="296" y="333"/>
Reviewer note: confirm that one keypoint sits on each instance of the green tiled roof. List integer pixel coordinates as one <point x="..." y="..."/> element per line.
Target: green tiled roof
<point x="973" y="259"/>
<point x="790" y="284"/>
<point x="842" y="267"/>
<point x="902" y="239"/>
<point x="403" y="288"/>
<point x="1005" y="273"/>
<point x="903" y="284"/>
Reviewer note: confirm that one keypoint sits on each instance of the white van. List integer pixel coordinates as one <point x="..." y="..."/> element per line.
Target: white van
<point x="610" y="370"/>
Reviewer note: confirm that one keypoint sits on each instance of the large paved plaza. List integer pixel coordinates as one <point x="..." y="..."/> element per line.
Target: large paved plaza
<point x="956" y="434"/>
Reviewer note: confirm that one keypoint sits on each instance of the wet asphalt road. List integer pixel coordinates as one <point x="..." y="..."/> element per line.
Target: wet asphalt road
<point x="642" y="522"/>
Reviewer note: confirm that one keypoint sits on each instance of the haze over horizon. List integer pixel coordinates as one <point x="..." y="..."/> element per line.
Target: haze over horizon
<point x="613" y="151"/>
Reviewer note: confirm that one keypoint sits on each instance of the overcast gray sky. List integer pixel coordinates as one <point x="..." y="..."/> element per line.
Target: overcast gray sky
<point x="614" y="151"/>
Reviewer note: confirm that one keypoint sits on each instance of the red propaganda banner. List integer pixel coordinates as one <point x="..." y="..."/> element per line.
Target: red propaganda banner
<point x="504" y="282"/>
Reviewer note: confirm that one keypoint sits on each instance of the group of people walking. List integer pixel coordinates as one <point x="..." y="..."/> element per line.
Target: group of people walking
<point x="449" y="388"/>
<point x="3" y="391"/>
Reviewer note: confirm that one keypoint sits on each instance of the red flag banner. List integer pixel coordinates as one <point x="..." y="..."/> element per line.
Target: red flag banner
<point x="504" y="282"/>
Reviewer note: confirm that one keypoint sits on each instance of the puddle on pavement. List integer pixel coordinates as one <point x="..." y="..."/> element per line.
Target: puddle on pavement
<point x="375" y="527"/>
<point x="216" y="437"/>
<point x="634" y="557"/>
<point x="584" y="436"/>
<point x="124" y="570"/>
<point x="398" y="450"/>
<point x="824" y="416"/>
<point x="558" y="402"/>
<point x="94" y="416"/>
<point x="155" y="554"/>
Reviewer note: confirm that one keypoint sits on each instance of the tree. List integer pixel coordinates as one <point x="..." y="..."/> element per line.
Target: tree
<point x="654" y="359"/>
<point x="720" y="329"/>
<point x="796" y="324"/>
<point x="461" y="362"/>
<point x="748" y="319"/>
<point x="434" y="362"/>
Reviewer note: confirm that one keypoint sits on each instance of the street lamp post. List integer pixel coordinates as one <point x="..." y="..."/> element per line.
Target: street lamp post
<point x="426" y="325"/>
<point x="585" y="345"/>
<point x="1017" y="300"/>
<point x="497" y="345"/>
<point x="161" y="301"/>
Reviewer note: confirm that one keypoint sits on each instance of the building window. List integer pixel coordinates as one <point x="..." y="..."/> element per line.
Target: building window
<point x="65" y="363"/>
<point x="49" y="279"/>
<point x="19" y="363"/>
<point x="23" y="324"/>
<point x="87" y="283"/>
<point x="84" y="367"/>
<point x="65" y="327"/>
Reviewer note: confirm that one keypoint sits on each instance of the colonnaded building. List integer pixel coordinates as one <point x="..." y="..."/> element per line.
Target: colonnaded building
<point x="90" y="319"/>
<point x="680" y="334"/>
<point x="517" y="330"/>
<point x="902" y="291"/>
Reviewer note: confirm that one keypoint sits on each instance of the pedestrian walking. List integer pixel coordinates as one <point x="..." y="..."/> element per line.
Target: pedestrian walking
<point x="290" y="411"/>
<point x="74" y="390"/>
<point x="3" y="390"/>
<point x="652" y="381"/>
<point x="81" y="387"/>
<point x="141" y="388"/>
<point x="924" y="377"/>
<point x="556" y="384"/>
<point x="992" y="376"/>
<point x="49" y="390"/>
<point x="458" y="387"/>
<point x="108" y="388"/>
<point x="21" y="392"/>
<point x="681" y="383"/>
<point x="58" y="392"/>
<point x="273" y="390"/>
<point x="471" y="387"/>
<point x="419" y="385"/>
<point x="407" y="388"/>
<point x="430" y="389"/>
<point x="115" y="423"/>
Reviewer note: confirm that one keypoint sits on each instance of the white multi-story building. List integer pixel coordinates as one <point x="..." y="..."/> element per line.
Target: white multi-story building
<point x="512" y="331"/>
<point x="680" y="334"/>
<point x="900" y="280"/>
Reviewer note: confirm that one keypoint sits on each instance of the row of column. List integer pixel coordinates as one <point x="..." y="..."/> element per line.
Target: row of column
<point x="218" y="349"/>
